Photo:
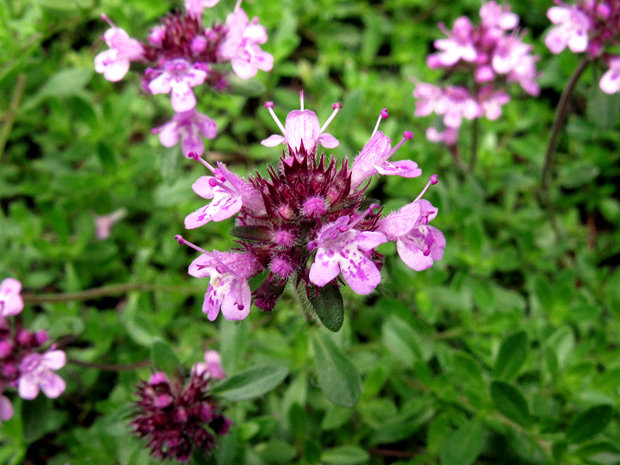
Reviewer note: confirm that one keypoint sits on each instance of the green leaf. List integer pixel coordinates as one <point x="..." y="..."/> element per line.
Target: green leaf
<point x="345" y="455"/>
<point x="401" y="340"/>
<point x="251" y="383"/>
<point x="603" y="109"/>
<point x="464" y="445"/>
<point x="510" y="403"/>
<point x="64" y="83"/>
<point x="511" y="356"/>
<point x="588" y="423"/>
<point x="276" y="451"/>
<point x="328" y="306"/>
<point x="163" y="357"/>
<point x="338" y="378"/>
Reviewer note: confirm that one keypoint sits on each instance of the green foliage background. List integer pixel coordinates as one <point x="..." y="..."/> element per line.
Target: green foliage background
<point x="506" y="351"/>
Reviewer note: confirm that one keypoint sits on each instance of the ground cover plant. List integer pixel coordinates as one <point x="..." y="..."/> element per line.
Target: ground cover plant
<point x="402" y="214"/>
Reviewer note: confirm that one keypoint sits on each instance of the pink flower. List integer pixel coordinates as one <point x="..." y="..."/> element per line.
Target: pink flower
<point x="37" y="371"/>
<point x="228" y="287"/>
<point x="373" y="159"/>
<point x="418" y="244"/>
<point x="114" y="63"/>
<point x="178" y="77"/>
<point x="572" y="29"/>
<point x="104" y="223"/>
<point x="342" y="249"/>
<point x="6" y="409"/>
<point x="11" y="302"/>
<point x="229" y="193"/>
<point x="457" y="104"/>
<point x="212" y="367"/>
<point x="302" y="127"/>
<point x="509" y="53"/>
<point x="492" y="101"/>
<point x="525" y="74"/>
<point x="240" y="45"/>
<point x="196" y="8"/>
<point x="610" y="82"/>
<point x="448" y="136"/>
<point x="458" y="46"/>
<point x="428" y="97"/>
<point x="187" y="126"/>
<point x="496" y="16"/>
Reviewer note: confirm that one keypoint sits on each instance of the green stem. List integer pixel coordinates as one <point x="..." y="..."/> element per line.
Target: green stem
<point x="114" y="289"/>
<point x="10" y="116"/>
<point x="110" y="366"/>
<point x="475" y="126"/>
<point x="560" y="112"/>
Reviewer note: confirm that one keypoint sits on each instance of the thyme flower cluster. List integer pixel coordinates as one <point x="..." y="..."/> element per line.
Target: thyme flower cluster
<point x="308" y="222"/>
<point x="181" y="53"/>
<point x="488" y="58"/>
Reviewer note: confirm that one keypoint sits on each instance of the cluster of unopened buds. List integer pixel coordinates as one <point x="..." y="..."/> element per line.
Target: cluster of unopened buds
<point x="309" y="209"/>
<point x="493" y="54"/>
<point x="590" y="26"/>
<point x="181" y="53"/>
<point x="23" y="364"/>
<point x="178" y="418"/>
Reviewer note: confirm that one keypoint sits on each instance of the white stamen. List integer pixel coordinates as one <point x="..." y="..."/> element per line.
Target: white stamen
<point x="430" y="181"/>
<point x="237" y="5"/>
<point x="336" y="107"/>
<point x="301" y="98"/>
<point x="182" y="241"/>
<point x="275" y="118"/>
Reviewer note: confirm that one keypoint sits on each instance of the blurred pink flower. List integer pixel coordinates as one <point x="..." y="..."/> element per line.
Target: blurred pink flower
<point x="104" y="223"/>
<point x="37" y="371"/>
<point x="610" y="82"/>
<point x="178" y="77"/>
<point x="187" y="127"/>
<point x="11" y="302"/>
<point x="114" y="63"/>
<point x="212" y="366"/>
<point x="572" y="29"/>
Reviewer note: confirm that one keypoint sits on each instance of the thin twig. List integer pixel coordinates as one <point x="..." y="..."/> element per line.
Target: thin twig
<point x="557" y="122"/>
<point x="11" y="114"/>
<point x="114" y="289"/>
<point x="111" y="366"/>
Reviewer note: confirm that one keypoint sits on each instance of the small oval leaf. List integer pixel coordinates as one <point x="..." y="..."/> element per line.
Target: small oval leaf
<point x="328" y="306"/>
<point x="345" y="455"/>
<point x="338" y="378"/>
<point x="250" y="383"/>
<point x="510" y="403"/>
<point x="511" y="356"/>
<point x="464" y="445"/>
<point x="588" y="423"/>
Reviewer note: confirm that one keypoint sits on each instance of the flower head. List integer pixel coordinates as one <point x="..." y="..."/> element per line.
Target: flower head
<point x="11" y="302"/>
<point x="178" y="420"/>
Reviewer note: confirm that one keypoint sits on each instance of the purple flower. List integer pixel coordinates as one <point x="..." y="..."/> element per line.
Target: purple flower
<point x="11" y="302"/>
<point x="572" y="29"/>
<point x="417" y="243"/>
<point x="187" y="127"/>
<point x="103" y="223"/>
<point x="492" y="101"/>
<point x="373" y="160"/>
<point x="212" y="366"/>
<point x="458" y="46"/>
<point x="6" y="409"/>
<point x="229" y="193"/>
<point x="341" y="248"/>
<point x="37" y="371"/>
<point x="240" y="45"/>
<point x="114" y="63"/>
<point x="196" y="8"/>
<point x="610" y="82"/>
<point x="302" y="127"/>
<point x="448" y="136"/>
<point x="525" y="74"/>
<point x="496" y="16"/>
<point x="509" y="53"/>
<point x="457" y="104"/>
<point x="178" y="77"/>
<point x="428" y="97"/>
<point x="228" y="287"/>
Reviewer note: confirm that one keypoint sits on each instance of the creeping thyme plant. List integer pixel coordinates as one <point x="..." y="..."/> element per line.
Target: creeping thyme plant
<point x="406" y="213"/>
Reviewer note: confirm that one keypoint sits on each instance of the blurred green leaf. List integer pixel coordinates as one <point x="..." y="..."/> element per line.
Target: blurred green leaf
<point x="276" y="451"/>
<point x="510" y="403"/>
<point x="345" y="455"/>
<point x="338" y="378"/>
<point x="464" y="445"/>
<point x="589" y="423"/>
<point x="511" y="356"/>
<point x="401" y="340"/>
<point x="164" y="358"/>
<point x="251" y="383"/>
